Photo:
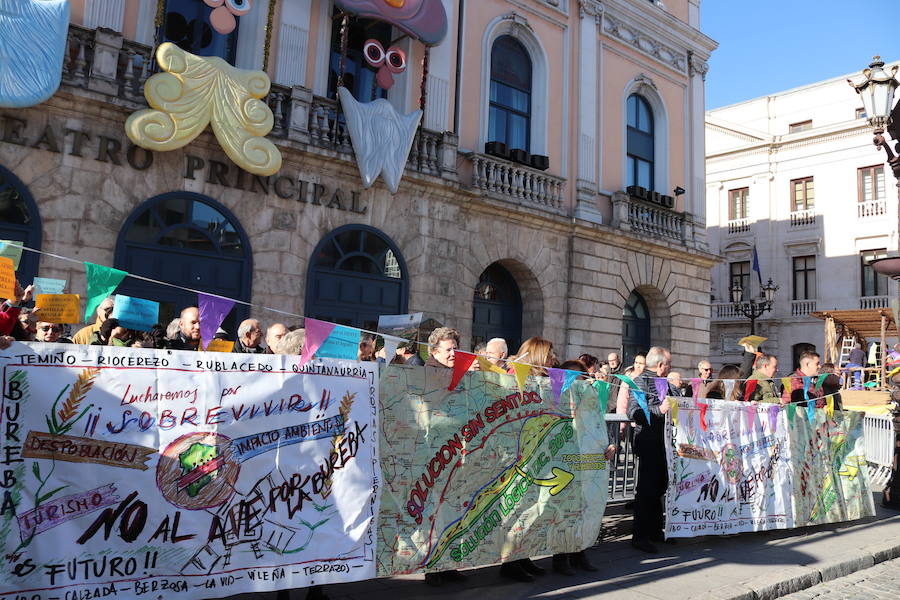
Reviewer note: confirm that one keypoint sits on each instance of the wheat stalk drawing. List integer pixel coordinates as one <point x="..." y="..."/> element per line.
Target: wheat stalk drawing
<point x="346" y="405"/>
<point x="61" y="421"/>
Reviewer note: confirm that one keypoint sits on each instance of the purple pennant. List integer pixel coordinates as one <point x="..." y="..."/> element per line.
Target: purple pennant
<point x="662" y="387"/>
<point x="773" y="417"/>
<point x="213" y="311"/>
<point x="557" y="379"/>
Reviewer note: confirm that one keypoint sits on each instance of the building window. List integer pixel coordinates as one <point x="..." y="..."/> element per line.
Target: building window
<point x="804" y="278"/>
<point x="738" y="203"/>
<point x="640" y="142"/>
<point x="801" y="126"/>
<point x="803" y="194"/>
<point x="186" y="24"/>
<point x="860" y="113"/>
<point x="20" y="222"/>
<point x="870" y="183"/>
<point x="740" y="274"/>
<point x="359" y="75"/>
<point x="873" y="284"/>
<point x="509" y="119"/>
<point x="636" y="327"/>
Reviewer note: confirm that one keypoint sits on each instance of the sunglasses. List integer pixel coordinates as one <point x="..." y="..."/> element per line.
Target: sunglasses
<point x="51" y="328"/>
<point x="706" y="369"/>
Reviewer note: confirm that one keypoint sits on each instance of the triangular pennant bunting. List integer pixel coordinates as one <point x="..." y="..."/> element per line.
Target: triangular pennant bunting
<point x="213" y="311"/>
<point x="751" y="416"/>
<point x="729" y="388"/>
<point x="696" y="382"/>
<point x="316" y="334"/>
<point x="773" y="417"/>
<point x="791" y="413"/>
<point x="749" y="388"/>
<point x="602" y="388"/>
<point x="674" y="410"/>
<point x="811" y="410"/>
<point x="571" y="377"/>
<point x="821" y="380"/>
<point x="522" y="372"/>
<point x="557" y="379"/>
<point x="703" y="406"/>
<point x="662" y="388"/>
<point x="641" y="398"/>
<point x="627" y="380"/>
<point x="101" y="282"/>
<point x="391" y="344"/>
<point x="786" y="384"/>
<point x="461" y="364"/>
<point x="489" y="367"/>
<point x="829" y="405"/>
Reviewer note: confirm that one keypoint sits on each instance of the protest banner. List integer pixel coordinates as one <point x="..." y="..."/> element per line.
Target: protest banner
<point x="736" y="467"/>
<point x="190" y="475"/>
<point x="46" y="285"/>
<point x="58" y="308"/>
<point x="135" y="313"/>
<point x="486" y="473"/>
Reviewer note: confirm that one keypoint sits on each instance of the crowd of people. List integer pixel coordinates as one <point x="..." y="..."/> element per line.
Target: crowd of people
<point x="18" y="323"/>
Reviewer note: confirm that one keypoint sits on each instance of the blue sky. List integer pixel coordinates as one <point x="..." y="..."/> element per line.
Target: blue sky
<point x="767" y="46"/>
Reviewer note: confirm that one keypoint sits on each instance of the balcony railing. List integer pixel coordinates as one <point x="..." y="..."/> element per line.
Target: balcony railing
<point x="803" y="218"/>
<point x="866" y="302"/>
<point x="512" y="182"/>
<point x="642" y="217"/>
<point x="872" y="208"/>
<point x="738" y="226"/>
<point x="103" y="61"/>
<point x="801" y="308"/>
<point x="725" y="310"/>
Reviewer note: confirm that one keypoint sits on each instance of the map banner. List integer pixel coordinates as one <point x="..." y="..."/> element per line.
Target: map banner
<point x="486" y="473"/>
<point x="188" y="475"/>
<point x="736" y="467"/>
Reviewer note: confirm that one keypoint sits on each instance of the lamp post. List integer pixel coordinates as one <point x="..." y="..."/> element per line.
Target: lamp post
<point x="877" y="92"/>
<point x="753" y="308"/>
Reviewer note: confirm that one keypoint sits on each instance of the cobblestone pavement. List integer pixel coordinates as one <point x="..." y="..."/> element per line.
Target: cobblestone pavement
<point x="881" y="582"/>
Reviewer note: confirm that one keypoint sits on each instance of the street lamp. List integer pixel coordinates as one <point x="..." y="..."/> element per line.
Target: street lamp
<point x="752" y="308"/>
<point x="877" y="92"/>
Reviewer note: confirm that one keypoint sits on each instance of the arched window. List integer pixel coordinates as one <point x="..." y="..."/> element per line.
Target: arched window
<point x="359" y="75"/>
<point x="635" y="328"/>
<point x="639" y="143"/>
<point x="356" y="274"/>
<point x="497" y="308"/>
<point x="509" y="120"/>
<point x="20" y="222"/>
<point x="189" y="240"/>
<point x="186" y="24"/>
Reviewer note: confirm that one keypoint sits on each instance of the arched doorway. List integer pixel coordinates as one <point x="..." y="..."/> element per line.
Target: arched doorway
<point x="189" y="240"/>
<point x="20" y="222"/>
<point x="356" y="274"/>
<point x="497" y="308"/>
<point x="635" y="328"/>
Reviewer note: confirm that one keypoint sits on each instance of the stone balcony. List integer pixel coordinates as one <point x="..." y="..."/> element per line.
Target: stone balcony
<point x="506" y="180"/>
<point x="653" y="221"/>
<point x="872" y="209"/>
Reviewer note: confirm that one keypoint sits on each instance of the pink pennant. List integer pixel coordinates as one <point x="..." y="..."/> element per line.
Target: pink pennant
<point x="316" y="334"/>
<point x="696" y="382"/>
<point x="751" y="415"/>
<point x="461" y="364"/>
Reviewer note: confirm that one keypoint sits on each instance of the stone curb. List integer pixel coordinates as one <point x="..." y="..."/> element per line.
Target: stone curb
<point x="764" y="588"/>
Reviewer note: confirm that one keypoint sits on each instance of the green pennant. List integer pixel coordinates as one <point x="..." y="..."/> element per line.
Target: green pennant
<point x="821" y="380"/>
<point x="101" y="282"/>
<point x="602" y="388"/>
<point x="628" y="380"/>
<point x="791" y="411"/>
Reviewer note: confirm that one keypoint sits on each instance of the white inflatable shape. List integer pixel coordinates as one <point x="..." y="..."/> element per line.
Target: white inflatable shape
<point x="381" y="137"/>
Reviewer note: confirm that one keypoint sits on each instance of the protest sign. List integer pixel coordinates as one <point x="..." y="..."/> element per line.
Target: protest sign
<point x="762" y="467"/>
<point x="135" y="313"/>
<point x="402" y="326"/>
<point x="14" y="253"/>
<point x="196" y="475"/>
<point x="46" y="285"/>
<point x="58" y="308"/>
<point x="7" y="278"/>
<point x="486" y="473"/>
<point x="342" y="342"/>
<point x="220" y="346"/>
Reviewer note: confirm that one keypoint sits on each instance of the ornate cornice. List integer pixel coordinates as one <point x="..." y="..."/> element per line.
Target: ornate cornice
<point x="590" y="8"/>
<point x="639" y="40"/>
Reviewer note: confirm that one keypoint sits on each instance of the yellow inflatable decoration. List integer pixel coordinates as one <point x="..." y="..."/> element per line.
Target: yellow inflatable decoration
<point x="196" y="91"/>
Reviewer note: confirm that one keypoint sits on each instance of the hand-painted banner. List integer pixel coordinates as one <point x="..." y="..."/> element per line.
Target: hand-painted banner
<point x="204" y="475"/>
<point x="740" y="474"/>
<point x="486" y="473"/>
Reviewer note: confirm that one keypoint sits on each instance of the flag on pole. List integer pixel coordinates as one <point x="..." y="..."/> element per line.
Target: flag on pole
<point x="755" y="266"/>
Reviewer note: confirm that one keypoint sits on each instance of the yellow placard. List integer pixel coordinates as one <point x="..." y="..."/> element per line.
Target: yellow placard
<point x="58" y="308"/>
<point x="753" y="340"/>
<point x="7" y="278"/>
<point x="220" y="346"/>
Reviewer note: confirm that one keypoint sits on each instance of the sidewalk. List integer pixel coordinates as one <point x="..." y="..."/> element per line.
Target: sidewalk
<point x="747" y="567"/>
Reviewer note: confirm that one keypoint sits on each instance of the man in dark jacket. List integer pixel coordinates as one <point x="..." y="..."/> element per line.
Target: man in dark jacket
<point x="649" y="446"/>
<point x="188" y="335"/>
<point x="248" y="338"/>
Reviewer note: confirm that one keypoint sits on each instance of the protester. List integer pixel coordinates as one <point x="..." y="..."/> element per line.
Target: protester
<point x="188" y="335"/>
<point x="831" y="385"/>
<point x="442" y="345"/>
<point x="410" y="354"/>
<point x="640" y="363"/>
<point x="26" y="328"/>
<point x="109" y="334"/>
<point x="766" y="390"/>
<point x="716" y="389"/>
<point x="676" y="384"/>
<point x="153" y="339"/>
<point x="800" y="390"/>
<point x="83" y="335"/>
<point x="366" y="350"/>
<point x="172" y="328"/>
<point x="615" y="363"/>
<point x="704" y="371"/>
<point x="496" y="352"/>
<point x="249" y="336"/>
<point x="291" y="342"/>
<point x="649" y="446"/>
<point x="274" y="334"/>
<point x="50" y="333"/>
<point x="590" y="362"/>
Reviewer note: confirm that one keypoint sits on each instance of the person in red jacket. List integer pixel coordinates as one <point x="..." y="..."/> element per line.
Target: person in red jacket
<point x="809" y="367"/>
<point x="9" y="313"/>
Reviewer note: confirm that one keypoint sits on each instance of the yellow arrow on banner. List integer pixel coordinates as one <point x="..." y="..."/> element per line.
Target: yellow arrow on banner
<point x="557" y="483"/>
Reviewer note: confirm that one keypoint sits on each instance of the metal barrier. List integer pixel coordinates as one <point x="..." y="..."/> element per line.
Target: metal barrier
<point x="623" y="469"/>
<point x="879" y="434"/>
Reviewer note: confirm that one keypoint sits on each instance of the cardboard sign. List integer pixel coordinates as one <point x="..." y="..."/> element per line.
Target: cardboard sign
<point x="342" y="343"/>
<point x="59" y="308"/>
<point x="12" y="252"/>
<point x="135" y="313"/>
<point x="7" y="278"/>
<point x="45" y="285"/>
<point x="220" y="346"/>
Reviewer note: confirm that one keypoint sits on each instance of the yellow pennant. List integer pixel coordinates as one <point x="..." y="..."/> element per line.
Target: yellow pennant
<point x="786" y="382"/>
<point x="829" y="405"/>
<point x="522" y="372"/>
<point x="489" y="367"/>
<point x="674" y="411"/>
